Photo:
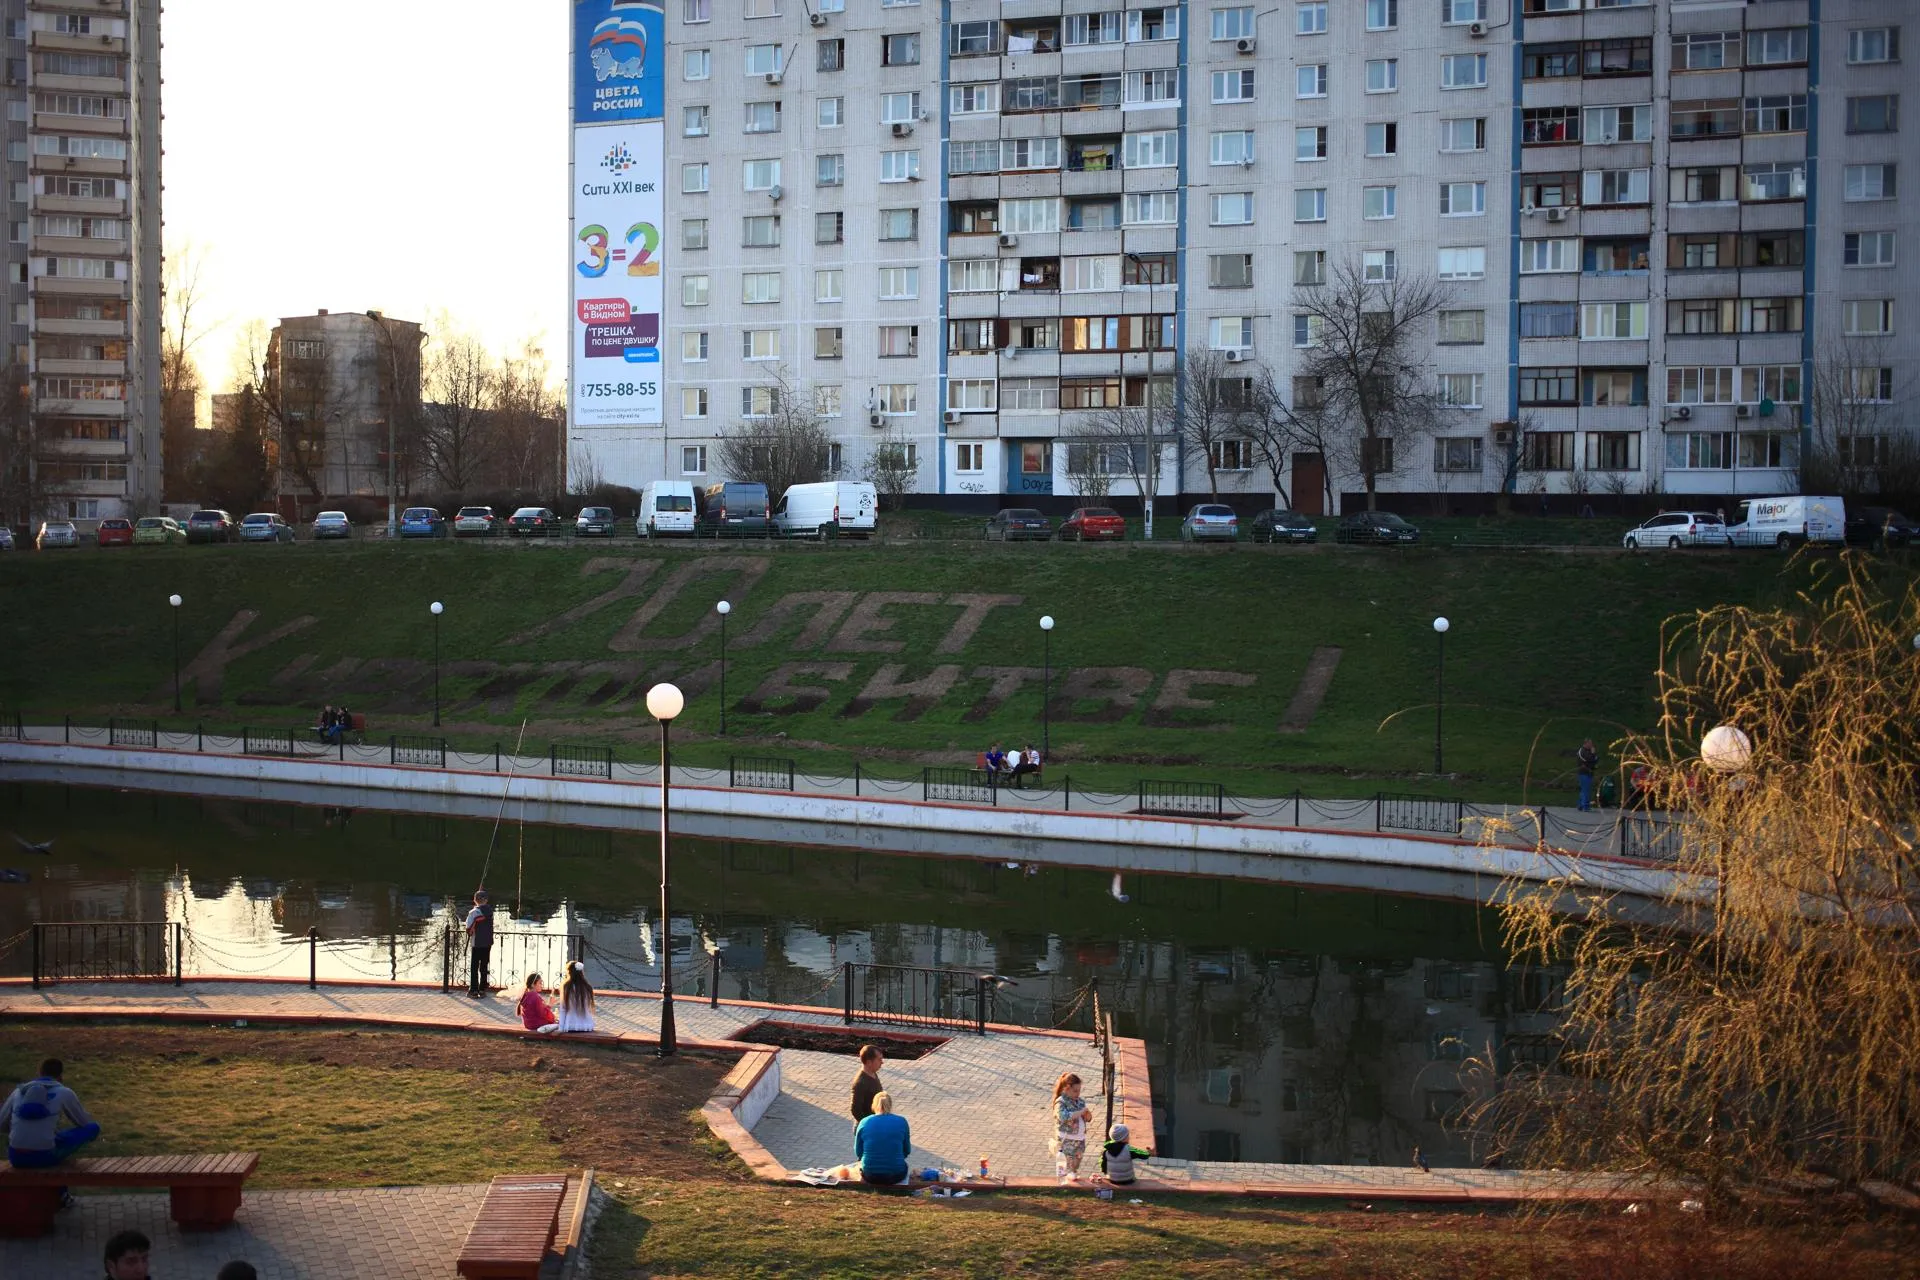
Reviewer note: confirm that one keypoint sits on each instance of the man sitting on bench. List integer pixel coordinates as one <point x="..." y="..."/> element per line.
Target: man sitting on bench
<point x="32" y="1114"/>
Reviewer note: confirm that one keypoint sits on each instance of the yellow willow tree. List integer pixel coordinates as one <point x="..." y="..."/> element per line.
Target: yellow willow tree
<point x="1765" y="1025"/>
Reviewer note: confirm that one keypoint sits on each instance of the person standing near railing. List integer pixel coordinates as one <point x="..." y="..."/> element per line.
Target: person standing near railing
<point x="1586" y="759"/>
<point x="480" y="945"/>
<point x="866" y="1085"/>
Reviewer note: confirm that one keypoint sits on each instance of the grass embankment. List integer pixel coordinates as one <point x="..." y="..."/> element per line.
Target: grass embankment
<point x="1546" y="646"/>
<point x="332" y="1109"/>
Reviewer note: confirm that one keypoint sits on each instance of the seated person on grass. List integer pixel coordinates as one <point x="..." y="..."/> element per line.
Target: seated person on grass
<point x="882" y="1144"/>
<point x="31" y="1116"/>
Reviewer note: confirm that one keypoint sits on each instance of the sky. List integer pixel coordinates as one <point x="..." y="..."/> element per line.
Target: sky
<point x="399" y="155"/>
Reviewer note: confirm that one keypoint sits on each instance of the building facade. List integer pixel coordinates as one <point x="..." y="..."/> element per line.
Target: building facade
<point x="1665" y="235"/>
<point x="83" y="257"/>
<point x="341" y="393"/>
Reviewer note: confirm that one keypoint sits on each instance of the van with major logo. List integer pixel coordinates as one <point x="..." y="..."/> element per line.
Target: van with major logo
<point x="666" y="510"/>
<point x="1791" y="520"/>
<point x="734" y="509"/>
<point x="829" y="509"/>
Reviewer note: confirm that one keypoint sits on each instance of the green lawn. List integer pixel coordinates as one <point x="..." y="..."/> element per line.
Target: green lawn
<point x="1546" y="647"/>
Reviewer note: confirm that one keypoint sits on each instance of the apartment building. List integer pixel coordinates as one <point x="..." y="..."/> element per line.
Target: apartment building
<point x="341" y="391"/>
<point x="83" y="258"/>
<point x="961" y="228"/>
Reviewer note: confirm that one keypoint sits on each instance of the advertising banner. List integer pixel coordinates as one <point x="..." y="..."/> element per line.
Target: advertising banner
<point x="618" y="210"/>
<point x="619" y="57"/>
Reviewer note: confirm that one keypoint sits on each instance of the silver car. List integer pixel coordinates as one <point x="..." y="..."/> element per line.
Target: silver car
<point x="332" y="524"/>
<point x="56" y="533"/>
<point x="475" y="522"/>
<point x="265" y="526"/>
<point x="1676" y="529"/>
<point x="6" y="538"/>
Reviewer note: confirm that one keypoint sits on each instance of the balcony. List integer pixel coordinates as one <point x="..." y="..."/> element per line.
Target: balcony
<point x="80" y="408"/>
<point x="85" y="368"/>
<point x="111" y="450"/>
<point x="100" y="126"/>
<point x="80" y="164"/>
<point x="80" y="247"/>
<point x="75" y="286"/>
<point x="54" y="41"/>
<point x="76" y="204"/>
<point x="79" y="328"/>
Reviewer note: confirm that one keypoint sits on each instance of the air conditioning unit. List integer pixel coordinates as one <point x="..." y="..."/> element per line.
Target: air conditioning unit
<point x="1008" y="240"/>
<point x="903" y="130"/>
<point x="776" y="192"/>
<point x="816" y="19"/>
<point x="1503" y="436"/>
<point x="1245" y="44"/>
<point x="1683" y="413"/>
<point x="1478" y="30"/>
<point x="876" y="419"/>
<point x="773" y="77"/>
<point x="1234" y="355"/>
<point x="1743" y="411"/>
<point x="1556" y="215"/>
<point x="952" y="417"/>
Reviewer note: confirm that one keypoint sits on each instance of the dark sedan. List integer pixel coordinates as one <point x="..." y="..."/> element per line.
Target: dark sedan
<point x="1375" y="526"/>
<point x="593" y="522"/>
<point x="1093" y="524"/>
<point x="532" y="522"/>
<point x="212" y="525"/>
<point x="1880" y="527"/>
<point x="1284" y="526"/>
<point x="1019" y="524"/>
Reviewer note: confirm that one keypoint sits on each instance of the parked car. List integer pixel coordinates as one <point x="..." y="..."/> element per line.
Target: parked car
<point x="532" y="522"/>
<point x="332" y="524"/>
<point x="1791" y="520"/>
<point x="1210" y="522"/>
<point x="1018" y="524"/>
<point x="6" y="537"/>
<point x="1374" y="526"/>
<point x="114" y="532"/>
<point x="265" y="526"/>
<point x="1881" y="527"/>
<point x="735" y="509"/>
<point x="666" y="507"/>
<point x="422" y="522"/>
<point x="212" y="525"/>
<point x="475" y="522"/>
<point x="1284" y="526"/>
<point x="1678" y="529"/>
<point x="56" y="533"/>
<point x="1093" y="524"/>
<point x="158" y="531"/>
<point x="827" y="509"/>
<point x="593" y="522"/>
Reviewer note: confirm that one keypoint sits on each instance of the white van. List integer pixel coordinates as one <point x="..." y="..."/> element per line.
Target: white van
<point x="1790" y="520"/>
<point x="666" y="509"/>
<point x="830" y="509"/>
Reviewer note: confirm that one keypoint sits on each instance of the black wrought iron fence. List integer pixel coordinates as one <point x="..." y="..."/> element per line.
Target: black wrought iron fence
<point x="970" y="786"/>
<point x="915" y="996"/>
<point x="580" y="762"/>
<point x="1182" y="799"/>
<point x="267" y="742"/>
<point x="760" y="773"/>
<point x="515" y="954"/>
<point x="62" y="951"/>
<point x="1432" y="814"/>
<point x="10" y="725"/>
<point x="431" y="752"/>
<point x="133" y="733"/>
<point x="1652" y="838"/>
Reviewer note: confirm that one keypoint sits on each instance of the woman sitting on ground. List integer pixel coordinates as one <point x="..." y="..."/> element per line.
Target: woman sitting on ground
<point x="576" y="999"/>
<point x="882" y="1144"/>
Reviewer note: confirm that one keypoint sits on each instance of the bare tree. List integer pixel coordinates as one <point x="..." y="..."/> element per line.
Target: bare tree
<point x="783" y="443"/>
<point x="1214" y="405"/>
<point x="296" y="400"/>
<point x="891" y="469"/>
<point x="183" y="325"/>
<point x="1086" y="469"/>
<point x="1859" y="441"/>
<point x="529" y="407"/>
<point x="1369" y="354"/>
<point x="459" y="422"/>
<point x="1286" y="420"/>
<point x="1123" y="440"/>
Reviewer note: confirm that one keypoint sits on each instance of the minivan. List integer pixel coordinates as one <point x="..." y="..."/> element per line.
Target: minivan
<point x="734" y="509"/>
<point x="1790" y="520"/>
<point x="666" y="509"/>
<point x="829" y="509"/>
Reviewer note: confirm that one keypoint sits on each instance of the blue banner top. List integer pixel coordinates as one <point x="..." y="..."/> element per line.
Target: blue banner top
<point x="619" y="48"/>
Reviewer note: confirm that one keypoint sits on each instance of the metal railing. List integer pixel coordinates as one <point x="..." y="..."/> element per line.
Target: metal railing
<point x="760" y="773"/>
<point x="514" y="955"/>
<point x="106" y="949"/>
<point x="1182" y="799"/>
<point x="580" y="762"/>
<point x="1650" y="837"/>
<point x="1433" y="814"/>
<point x="133" y="733"/>
<point x="970" y="786"/>
<point x="11" y="727"/>
<point x="269" y="742"/>
<point x="430" y="752"/>
<point x="916" y="996"/>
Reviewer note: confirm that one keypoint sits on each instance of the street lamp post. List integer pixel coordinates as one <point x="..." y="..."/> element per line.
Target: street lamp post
<point x="723" y="609"/>
<point x="1440" y="626"/>
<point x="664" y="702"/>
<point x="1151" y="468"/>
<point x="1727" y="750"/>
<point x="437" y="609"/>
<point x="1046" y="688"/>
<point x="174" y="601"/>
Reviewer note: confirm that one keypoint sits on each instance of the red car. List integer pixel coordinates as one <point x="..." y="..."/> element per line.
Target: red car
<point x="1094" y="524"/>
<point x="115" y="533"/>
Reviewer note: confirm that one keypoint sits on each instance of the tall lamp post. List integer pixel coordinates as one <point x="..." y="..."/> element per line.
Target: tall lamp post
<point x="174" y="601"/>
<point x="437" y="608"/>
<point x="1046" y="688"/>
<point x="1727" y="750"/>
<point x="723" y="609"/>
<point x="1440" y="626"/>
<point x="664" y="702"/>
<point x="1152" y="467"/>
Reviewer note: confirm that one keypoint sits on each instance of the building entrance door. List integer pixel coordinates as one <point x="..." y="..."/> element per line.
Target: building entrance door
<point x="1310" y="484"/>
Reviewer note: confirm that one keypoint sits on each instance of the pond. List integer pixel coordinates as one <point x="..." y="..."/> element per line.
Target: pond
<point x="1281" y="1023"/>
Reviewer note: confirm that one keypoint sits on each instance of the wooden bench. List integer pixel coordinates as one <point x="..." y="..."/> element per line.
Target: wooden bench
<point x="204" y="1190"/>
<point x="516" y="1226"/>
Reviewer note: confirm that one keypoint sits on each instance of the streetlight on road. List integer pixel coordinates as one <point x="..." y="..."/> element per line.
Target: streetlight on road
<point x="437" y="609"/>
<point x="723" y="609"/>
<point x="1046" y="688"/>
<point x="174" y="600"/>
<point x="1440" y="626"/>
<point x="664" y="702"/>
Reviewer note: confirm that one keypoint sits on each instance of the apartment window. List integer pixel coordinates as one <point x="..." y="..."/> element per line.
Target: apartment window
<point x="759" y="175"/>
<point x="971" y="337"/>
<point x="758" y="402"/>
<point x="899" y="166"/>
<point x="1556" y="61"/>
<point x="1310" y="142"/>
<point x="1231" y="208"/>
<point x="1775" y="113"/>
<point x="1234" y="146"/>
<point x="1159" y="149"/>
<point x="1378" y="266"/>
<point x="1230" y="333"/>
<point x="761" y="8"/>
<point x="693" y="346"/>
<point x="760" y="287"/>
<point x="1868" y="182"/>
<point x="1463" y="390"/>
<point x="1153" y="24"/>
<point x="1376" y="455"/>
<point x="1094" y="273"/>
<point x="969" y="459"/>
<point x="1230" y="455"/>
<point x="1549" y="126"/>
<point x="759" y="344"/>
<point x="1547" y="386"/>
<point x="693" y="233"/>
<point x="1463" y="328"/>
<point x="902" y="50"/>
<point x="828" y="342"/>
<point x="1383" y="75"/>
<point x="1460" y="12"/>
<point x="1604" y="387"/>
<point x="1873" y="44"/>
<point x="1030" y="395"/>
<point x="694" y="178"/>
<point x="1310" y="266"/>
<point x="973" y="39"/>
<point x="1540" y="257"/>
<point x="899" y="341"/>
<point x="1786" y="180"/>
<point x="1617" y="186"/>
<point x="1700" y="315"/>
<point x="1230" y="271"/>
<point x="693" y="404"/>
<point x="1548" y="451"/>
<point x="1621" y="57"/>
<point x="1308" y="393"/>
<point x="973" y="99"/>
<point x="899" y="224"/>
<point x="762" y="117"/>
<point x="1463" y="199"/>
<point x="1306" y="330"/>
<point x="1231" y="24"/>
<point x="1463" y="263"/>
<point x="1704" y="118"/>
<point x="1869" y="386"/>
<point x="1867" y="317"/>
<point x="1868" y="249"/>
<point x="1309" y="19"/>
<point x="1309" y="80"/>
<point x="1163" y="87"/>
<point x="1702" y="186"/>
<point x="973" y="395"/>
<point x="765" y="59"/>
<point x="696" y="64"/>
<point x="1383" y="15"/>
<point x="1709" y="384"/>
<point x="1457" y="454"/>
<point x="1618" y="124"/>
<point x="829" y="113"/>
<point x="1779" y="46"/>
<point x="1151" y="207"/>
<point x="1383" y="139"/>
<point x="1037" y="216"/>
<point x="1879" y="113"/>
<point x="760" y="232"/>
<point x="829" y="170"/>
<point x="982" y="156"/>
<point x="1706" y="51"/>
<point x="1463" y="135"/>
<point x="696" y="11"/>
<point x="973" y="275"/>
<point x="1310" y="204"/>
<point x="694" y="122"/>
<point x="1769" y="315"/>
<point x="830" y="285"/>
<point x="1549" y="320"/>
<point x="899" y="108"/>
<point x="899" y="284"/>
<point x="1549" y="190"/>
<point x="1378" y="202"/>
<point x="1233" y="86"/>
<point x="1612" y="321"/>
<point x="1463" y="71"/>
<point x="830" y="55"/>
<point x="1700" y="450"/>
<point x="1777" y="382"/>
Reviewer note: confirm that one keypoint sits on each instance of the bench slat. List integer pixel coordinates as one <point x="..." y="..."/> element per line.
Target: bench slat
<point x="515" y="1227"/>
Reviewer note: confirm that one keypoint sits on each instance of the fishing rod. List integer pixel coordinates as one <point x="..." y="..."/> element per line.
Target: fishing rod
<point x="512" y="772"/>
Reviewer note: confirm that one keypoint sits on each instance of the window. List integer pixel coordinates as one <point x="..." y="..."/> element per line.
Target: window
<point x="760" y="232"/>
<point x="1030" y="395"/>
<point x="693" y="178"/>
<point x="969" y="459"/>
<point x="982" y="156"/>
<point x="973" y="99"/>
<point x="1776" y="113"/>
<point x="1778" y="46"/>
<point x="1230" y="271"/>
<point x="1153" y="24"/>
<point x="761" y="9"/>
<point x="765" y="59"/>
<point x="1457" y="454"/>
<point x="1463" y="135"/>
<point x="1376" y="455"/>
<point x="1549" y="319"/>
<point x="1618" y="124"/>
<point x="1706" y="51"/>
<point x="1555" y="61"/>
<point x="1092" y="274"/>
<point x="1233" y="86"/>
<point x="830" y="6"/>
<point x="1699" y="450"/>
<point x="973" y="39"/>
<point x="1708" y="384"/>
<point x="1383" y="75"/>
<point x="1151" y="207"/>
<point x="1786" y="180"/>
<point x="1309" y="80"/>
<point x="1616" y="186"/>
<point x="973" y="395"/>
<point x="1702" y="186"/>
<point x="1463" y="390"/>
<point x="1038" y="216"/>
<point x="693" y="233"/>
<point x="1163" y="87"/>
<point x="1310" y="204"/>
<point x="1029" y="153"/>
<point x="829" y="170"/>
<point x="1466" y="263"/>
<point x="1700" y="315"/>
<point x="1378" y="202"/>
<point x="899" y="284"/>
<point x="899" y="166"/>
<point x="1623" y="387"/>
<point x="1310" y="266"/>
<point x="696" y="64"/>
<point x="1230" y="455"/>
<point x="1879" y="113"/>
<point x="693" y="404"/>
<point x="1871" y="317"/>
<point x="830" y="285"/>
<point x="1383" y="15"/>
<point x="899" y="341"/>
<point x="1548" y="451"/>
<point x="1306" y="330"/>
<point x="830" y="55"/>
<point x="1383" y="139"/>
<point x="1549" y="126"/>
<point x="1463" y="199"/>
<point x="899" y="108"/>
<point x="696" y="11"/>
<point x="762" y="117"/>
<point x="1705" y="118"/>
<point x="1379" y="265"/>
<point x="1873" y="44"/>
<point x="973" y="275"/>
<point x="1612" y="321"/>
<point x="1232" y="147"/>
<point x="1310" y="142"/>
<point x="1231" y="24"/>
<point x="899" y="224"/>
<point x="758" y="402"/>
<point x="1231" y="208"/>
<point x="1869" y="385"/>
<point x="693" y="457"/>
<point x="1868" y="249"/>
<point x="1458" y="12"/>
<point x="830" y="113"/>
<point x="1868" y="182"/>
<point x="1230" y="333"/>
<point x="901" y="50"/>
<point x="759" y="175"/>
<point x="693" y="346"/>
<point x="1159" y="149"/>
<point x="828" y="342"/>
<point x="760" y="287"/>
<point x="1546" y="386"/>
<point x="1463" y="71"/>
<point x="1538" y="257"/>
<point x="1777" y="382"/>
<point x="1769" y="315"/>
<point x="759" y="344"/>
<point x="1463" y="328"/>
<point x="694" y="122"/>
<point x="1308" y="19"/>
<point x="1309" y="392"/>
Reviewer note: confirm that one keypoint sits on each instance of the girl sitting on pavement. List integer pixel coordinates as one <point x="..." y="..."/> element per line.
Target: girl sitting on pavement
<point x="1070" y="1116"/>
<point x="576" y="999"/>
<point x="535" y="1013"/>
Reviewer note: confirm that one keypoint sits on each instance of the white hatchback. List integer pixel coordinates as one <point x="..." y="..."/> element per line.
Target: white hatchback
<point x="1676" y="529"/>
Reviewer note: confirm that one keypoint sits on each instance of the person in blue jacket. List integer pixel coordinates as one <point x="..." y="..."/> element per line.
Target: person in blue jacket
<point x="882" y="1144"/>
